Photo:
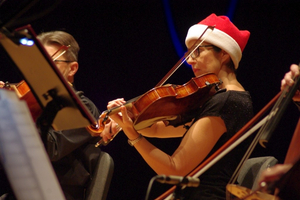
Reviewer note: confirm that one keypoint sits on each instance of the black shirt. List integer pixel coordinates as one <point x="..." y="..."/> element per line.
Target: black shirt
<point x="74" y="156"/>
<point x="235" y="108"/>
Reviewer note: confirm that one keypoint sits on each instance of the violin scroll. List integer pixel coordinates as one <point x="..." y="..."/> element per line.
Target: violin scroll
<point x="96" y="130"/>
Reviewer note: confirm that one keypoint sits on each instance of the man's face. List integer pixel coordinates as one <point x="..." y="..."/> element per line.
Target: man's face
<point x="61" y="62"/>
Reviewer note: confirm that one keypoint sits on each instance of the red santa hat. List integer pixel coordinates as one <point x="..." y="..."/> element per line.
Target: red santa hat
<point x="225" y="35"/>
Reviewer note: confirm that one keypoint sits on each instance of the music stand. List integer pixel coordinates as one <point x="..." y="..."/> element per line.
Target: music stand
<point x="45" y="80"/>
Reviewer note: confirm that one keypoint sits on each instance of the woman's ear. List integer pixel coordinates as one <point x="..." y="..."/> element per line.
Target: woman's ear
<point x="225" y="57"/>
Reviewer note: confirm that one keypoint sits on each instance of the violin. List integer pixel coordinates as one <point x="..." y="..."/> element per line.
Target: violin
<point x="23" y="92"/>
<point x="166" y="103"/>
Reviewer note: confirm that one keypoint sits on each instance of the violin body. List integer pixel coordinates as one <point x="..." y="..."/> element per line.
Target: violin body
<point x="165" y="103"/>
<point x="23" y="92"/>
<point x="170" y="102"/>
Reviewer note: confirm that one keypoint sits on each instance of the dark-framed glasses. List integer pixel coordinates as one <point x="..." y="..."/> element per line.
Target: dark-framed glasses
<point x="197" y="51"/>
<point x="66" y="61"/>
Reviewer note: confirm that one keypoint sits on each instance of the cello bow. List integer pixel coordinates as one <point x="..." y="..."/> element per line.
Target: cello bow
<point x="215" y="156"/>
<point x="281" y="101"/>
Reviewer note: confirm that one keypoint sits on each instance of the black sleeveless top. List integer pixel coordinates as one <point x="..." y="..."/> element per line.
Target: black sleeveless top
<point x="235" y="108"/>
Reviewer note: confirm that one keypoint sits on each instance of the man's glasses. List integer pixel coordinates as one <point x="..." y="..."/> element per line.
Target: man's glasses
<point x="67" y="61"/>
<point x="197" y="51"/>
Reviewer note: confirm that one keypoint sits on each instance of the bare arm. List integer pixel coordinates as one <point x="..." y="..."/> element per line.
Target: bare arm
<point x="160" y="130"/>
<point x="195" y="146"/>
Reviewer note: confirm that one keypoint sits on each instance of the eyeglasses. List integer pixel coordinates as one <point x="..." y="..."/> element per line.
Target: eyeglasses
<point x="197" y="51"/>
<point x="67" y="61"/>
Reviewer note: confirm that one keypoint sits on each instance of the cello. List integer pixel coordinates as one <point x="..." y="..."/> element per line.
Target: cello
<point x="281" y="100"/>
<point x="287" y="187"/>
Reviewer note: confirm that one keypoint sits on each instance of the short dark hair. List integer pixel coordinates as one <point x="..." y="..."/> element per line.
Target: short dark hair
<point x="230" y="64"/>
<point x="61" y="38"/>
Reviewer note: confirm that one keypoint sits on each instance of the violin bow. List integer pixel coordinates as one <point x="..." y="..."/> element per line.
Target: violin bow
<point x="93" y="129"/>
<point x="184" y="58"/>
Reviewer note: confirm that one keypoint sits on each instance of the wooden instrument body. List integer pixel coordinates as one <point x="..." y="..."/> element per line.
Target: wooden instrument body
<point x="23" y="92"/>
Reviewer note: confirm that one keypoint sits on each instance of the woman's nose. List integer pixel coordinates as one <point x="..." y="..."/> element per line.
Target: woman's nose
<point x="190" y="60"/>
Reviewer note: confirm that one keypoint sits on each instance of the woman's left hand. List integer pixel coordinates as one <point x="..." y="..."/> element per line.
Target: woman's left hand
<point x="123" y="118"/>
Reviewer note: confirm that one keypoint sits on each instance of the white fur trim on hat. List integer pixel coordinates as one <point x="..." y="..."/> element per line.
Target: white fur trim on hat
<point x="217" y="38"/>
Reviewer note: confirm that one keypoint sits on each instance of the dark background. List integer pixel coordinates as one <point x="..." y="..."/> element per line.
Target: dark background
<point x="126" y="48"/>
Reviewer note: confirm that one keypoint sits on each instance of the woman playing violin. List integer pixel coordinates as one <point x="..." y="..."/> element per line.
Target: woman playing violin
<point x="216" y="121"/>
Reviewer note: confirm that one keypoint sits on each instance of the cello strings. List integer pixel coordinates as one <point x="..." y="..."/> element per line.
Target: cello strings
<point x="277" y="110"/>
<point x="257" y="137"/>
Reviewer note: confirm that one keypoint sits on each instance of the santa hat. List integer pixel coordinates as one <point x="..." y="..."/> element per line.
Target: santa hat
<point x="225" y="35"/>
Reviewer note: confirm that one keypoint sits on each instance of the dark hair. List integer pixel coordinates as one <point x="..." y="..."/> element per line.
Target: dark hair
<point x="61" y="38"/>
<point x="230" y="63"/>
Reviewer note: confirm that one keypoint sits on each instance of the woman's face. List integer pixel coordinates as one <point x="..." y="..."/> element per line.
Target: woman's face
<point x="208" y="60"/>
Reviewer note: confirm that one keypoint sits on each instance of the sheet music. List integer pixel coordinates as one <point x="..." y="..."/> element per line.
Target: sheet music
<point x="22" y="152"/>
<point x="45" y="80"/>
